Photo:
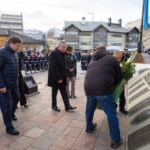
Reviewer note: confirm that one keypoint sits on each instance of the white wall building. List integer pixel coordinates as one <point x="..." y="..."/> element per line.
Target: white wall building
<point x="11" y="22"/>
<point x="116" y="39"/>
<point x="86" y="35"/>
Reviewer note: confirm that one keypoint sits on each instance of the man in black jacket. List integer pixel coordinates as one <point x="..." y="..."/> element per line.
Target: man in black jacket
<point x="23" y="101"/>
<point x="57" y="76"/>
<point x="103" y="75"/>
<point x="9" y="94"/>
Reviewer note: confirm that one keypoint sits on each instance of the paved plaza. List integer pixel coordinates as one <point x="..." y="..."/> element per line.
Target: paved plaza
<point x="43" y="129"/>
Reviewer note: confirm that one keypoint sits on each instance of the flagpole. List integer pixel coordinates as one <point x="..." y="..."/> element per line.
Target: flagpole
<point x="141" y="31"/>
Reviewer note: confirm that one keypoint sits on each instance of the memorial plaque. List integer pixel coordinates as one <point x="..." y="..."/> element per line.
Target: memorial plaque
<point x="141" y="117"/>
<point x="145" y="103"/>
<point x="136" y="88"/>
<point x="30" y="85"/>
<point x="135" y="83"/>
<point x="138" y="119"/>
<point x="140" y="139"/>
<point x="140" y="93"/>
<point x="147" y="79"/>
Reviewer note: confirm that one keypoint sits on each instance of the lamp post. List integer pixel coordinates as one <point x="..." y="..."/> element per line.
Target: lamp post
<point x="141" y="31"/>
<point x="91" y="13"/>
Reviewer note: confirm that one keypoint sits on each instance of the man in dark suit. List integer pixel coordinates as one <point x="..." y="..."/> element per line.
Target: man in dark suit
<point x="57" y="76"/>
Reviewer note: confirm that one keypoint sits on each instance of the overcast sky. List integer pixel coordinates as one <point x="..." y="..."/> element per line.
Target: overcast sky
<point x="46" y="14"/>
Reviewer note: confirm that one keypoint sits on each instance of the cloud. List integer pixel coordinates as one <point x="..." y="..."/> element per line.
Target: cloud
<point x="44" y="14"/>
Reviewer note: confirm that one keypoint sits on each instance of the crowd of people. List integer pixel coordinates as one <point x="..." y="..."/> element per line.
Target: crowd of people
<point x="35" y="61"/>
<point x="102" y="76"/>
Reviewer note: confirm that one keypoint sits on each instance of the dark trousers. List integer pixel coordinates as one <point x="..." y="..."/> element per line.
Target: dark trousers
<point x="21" y="90"/>
<point x="8" y="103"/>
<point x="122" y="101"/>
<point x="14" y="96"/>
<point x="23" y="100"/>
<point x="62" y="89"/>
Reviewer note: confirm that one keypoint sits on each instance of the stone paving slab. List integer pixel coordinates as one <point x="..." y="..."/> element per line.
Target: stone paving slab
<point x="43" y="129"/>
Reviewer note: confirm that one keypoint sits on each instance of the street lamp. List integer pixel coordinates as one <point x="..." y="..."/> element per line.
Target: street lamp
<point x="91" y="13"/>
<point x="141" y="31"/>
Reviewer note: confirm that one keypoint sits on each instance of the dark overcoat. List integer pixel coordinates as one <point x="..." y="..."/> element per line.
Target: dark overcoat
<point x="57" y="69"/>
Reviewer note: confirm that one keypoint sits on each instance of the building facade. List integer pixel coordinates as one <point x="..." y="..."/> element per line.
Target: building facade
<point x="53" y="37"/>
<point x="36" y="34"/>
<point x="86" y="35"/>
<point x="146" y="33"/>
<point x="11" y="22"/>
<point x="28" y="42"/>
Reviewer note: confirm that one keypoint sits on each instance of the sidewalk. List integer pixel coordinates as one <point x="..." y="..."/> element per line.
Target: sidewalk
<point x="43" y="129"/>
<point x="146" y="58"/>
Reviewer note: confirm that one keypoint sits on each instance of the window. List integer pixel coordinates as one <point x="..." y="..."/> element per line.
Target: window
<point x="72" y="43"/>
<point x="100" y="43"/>
<point x="133" y="44"/>
<point x="85" y="34"/>
<point x="116" y="35"/>
<point x="102" y="33"/>
<point x="72" y="33"/>
<point x="133" y="35"/>
<point x="85" y="43"/>
<point x="116" y="44"/>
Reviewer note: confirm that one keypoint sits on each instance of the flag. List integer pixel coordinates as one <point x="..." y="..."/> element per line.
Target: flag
<point x="146" y="5"/>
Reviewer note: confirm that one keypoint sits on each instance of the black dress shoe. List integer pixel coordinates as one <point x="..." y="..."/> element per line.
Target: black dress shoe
<point x="116" y="106"/>
<point x="91" y="130"/>
<point x="116" y="144"/>
<point x="124" y="112"/>
<point x="14" y="118"/>
<point x="56" y="109"/>
<point x="70" y="108"/>
<point x="25" y="106"/>
<point x="12" y="131"/>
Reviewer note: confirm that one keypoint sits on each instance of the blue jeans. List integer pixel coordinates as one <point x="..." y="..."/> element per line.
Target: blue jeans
<point x="108" y="106"/>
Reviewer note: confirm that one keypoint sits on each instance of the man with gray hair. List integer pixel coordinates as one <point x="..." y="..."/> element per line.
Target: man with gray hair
<point x="121" y="56"/>
<point x="103" y="75"/>
<point x="57" y="76"/>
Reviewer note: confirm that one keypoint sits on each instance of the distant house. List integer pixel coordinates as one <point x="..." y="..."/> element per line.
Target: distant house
<point x="146" y="33"/>
<point x="36" y="34"/>
<point x="53" y="37"/>
<point x="28" y="42"/>
<point x="85" y="35"/>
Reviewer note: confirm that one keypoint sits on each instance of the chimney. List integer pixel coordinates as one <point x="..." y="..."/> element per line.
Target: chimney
<point x="109" y="21"/>
<point x="120" y="22"/>
<point x="83" y="20"/>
